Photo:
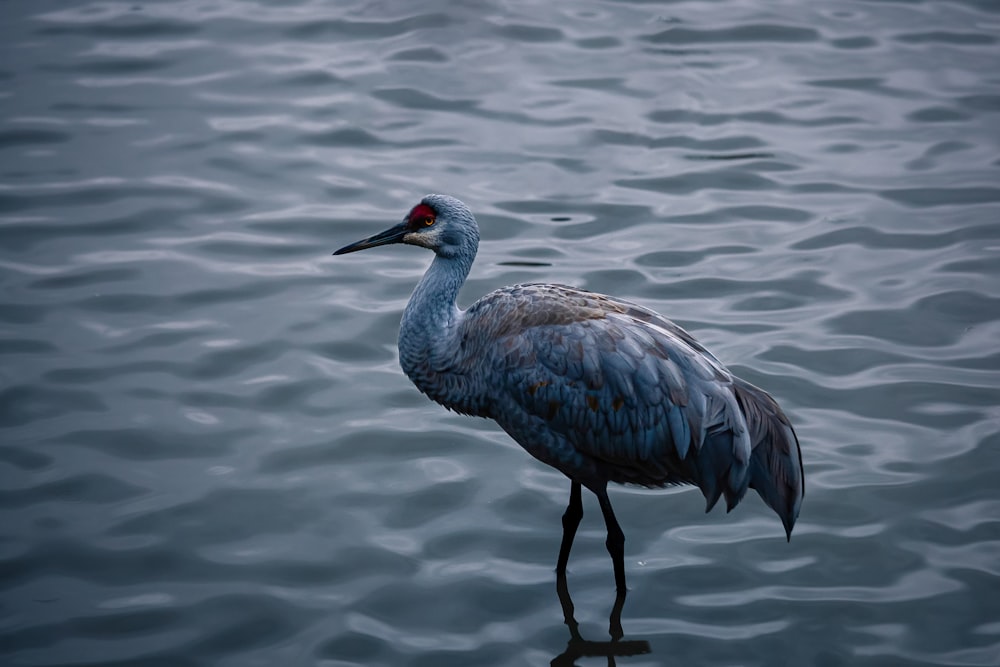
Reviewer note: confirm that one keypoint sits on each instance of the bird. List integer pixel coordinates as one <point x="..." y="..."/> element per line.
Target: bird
<point x="600" y="388"/>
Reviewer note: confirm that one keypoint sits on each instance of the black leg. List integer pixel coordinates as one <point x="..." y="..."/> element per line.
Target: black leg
<point x="566" y="602"/>
<point x="577" y="647"/>
<point x="615" y="626"/>
<point x="571" y="519"/>
<point x="616" y="538"/>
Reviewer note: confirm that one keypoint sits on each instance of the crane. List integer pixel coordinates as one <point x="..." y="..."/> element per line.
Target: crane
<point x="601" y="389"/>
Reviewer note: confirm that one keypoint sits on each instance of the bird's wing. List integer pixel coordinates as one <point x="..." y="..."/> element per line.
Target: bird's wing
<point x="621" y="384"/>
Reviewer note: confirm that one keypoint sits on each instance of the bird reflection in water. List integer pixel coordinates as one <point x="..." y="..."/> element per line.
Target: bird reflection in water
<point x="578" y="647"/>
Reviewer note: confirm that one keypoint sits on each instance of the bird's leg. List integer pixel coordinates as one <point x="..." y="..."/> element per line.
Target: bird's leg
<point x="616" y="538"/>
<point x="571" y="520"/>
<point x="566" y="602"/>
<point x="615" y="621"/>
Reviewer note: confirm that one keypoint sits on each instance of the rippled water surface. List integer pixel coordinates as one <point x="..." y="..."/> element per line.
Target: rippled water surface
<point x="208" y="453"/>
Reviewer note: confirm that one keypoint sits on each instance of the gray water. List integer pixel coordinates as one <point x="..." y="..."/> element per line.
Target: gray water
<point x="209" y="456"/>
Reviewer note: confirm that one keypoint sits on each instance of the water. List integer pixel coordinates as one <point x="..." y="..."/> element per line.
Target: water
<point x="210" y="457"/>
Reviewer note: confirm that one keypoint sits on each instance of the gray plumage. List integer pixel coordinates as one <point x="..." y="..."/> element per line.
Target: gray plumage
<point x="602" y="389"/>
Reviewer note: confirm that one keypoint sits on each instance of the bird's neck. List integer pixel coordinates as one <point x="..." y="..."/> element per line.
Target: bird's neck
<point x="427" y="333"/>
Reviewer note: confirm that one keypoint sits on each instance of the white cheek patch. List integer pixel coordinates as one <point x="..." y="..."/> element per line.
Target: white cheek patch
<point x="427" y="239"/>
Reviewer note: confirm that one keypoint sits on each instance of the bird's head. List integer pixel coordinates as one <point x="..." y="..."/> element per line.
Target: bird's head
<point x="439" y="222"/>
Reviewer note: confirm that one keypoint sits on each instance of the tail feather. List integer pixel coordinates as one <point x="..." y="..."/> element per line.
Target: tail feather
<point x="719" y="474"/>
<point x="776" y="460"/>
<point x="722" y="464"/>
<point x="710" y="464"/>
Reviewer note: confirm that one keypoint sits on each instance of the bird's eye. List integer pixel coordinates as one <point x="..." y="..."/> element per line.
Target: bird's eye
<point x="428" y="221"/>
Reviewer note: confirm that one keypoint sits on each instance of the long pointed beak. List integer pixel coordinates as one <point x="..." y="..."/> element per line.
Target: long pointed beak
<point x="391" y="235"/>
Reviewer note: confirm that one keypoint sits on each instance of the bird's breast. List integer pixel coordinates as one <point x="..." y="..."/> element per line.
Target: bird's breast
<point x="443" y="379"/>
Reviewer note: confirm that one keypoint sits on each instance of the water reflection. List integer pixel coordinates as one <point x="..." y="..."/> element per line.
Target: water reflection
<point x="578" y="647"/>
